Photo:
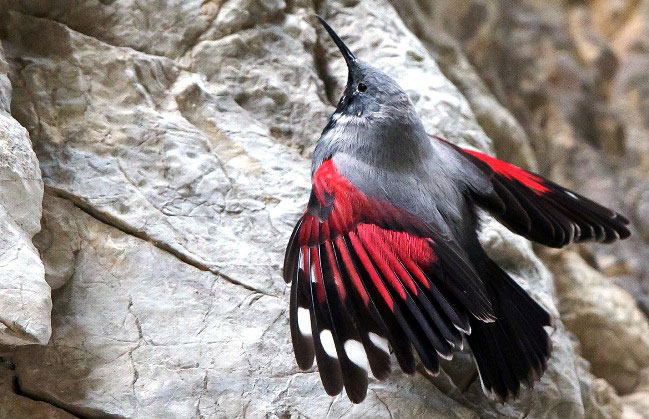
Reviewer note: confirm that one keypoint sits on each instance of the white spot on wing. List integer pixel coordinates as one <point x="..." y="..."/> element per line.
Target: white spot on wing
<point x="313" y="278"/>
<point x="304" y="321"/>
<point x="356" y="353"/>
<point x="572" y="195"/>
<point x="380" y="342"/>
<point x="328" y="344"/>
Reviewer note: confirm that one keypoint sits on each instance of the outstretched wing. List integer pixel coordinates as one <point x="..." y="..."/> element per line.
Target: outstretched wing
<point x="365" y="273"/>
<point x="541" y="210"/>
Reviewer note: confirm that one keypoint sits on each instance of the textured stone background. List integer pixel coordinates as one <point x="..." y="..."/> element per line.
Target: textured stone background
<point x="163" y="146"/>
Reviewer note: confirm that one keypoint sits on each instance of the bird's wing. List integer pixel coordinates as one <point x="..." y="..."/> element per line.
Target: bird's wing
<point x="363" y="273"/>
<point x="541" y="210"/>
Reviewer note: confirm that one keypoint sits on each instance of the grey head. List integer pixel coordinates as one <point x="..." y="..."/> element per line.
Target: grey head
<point x="374" y="121"/>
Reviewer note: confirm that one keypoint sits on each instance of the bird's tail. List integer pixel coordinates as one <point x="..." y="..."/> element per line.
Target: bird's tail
<point x="515" y="348"/>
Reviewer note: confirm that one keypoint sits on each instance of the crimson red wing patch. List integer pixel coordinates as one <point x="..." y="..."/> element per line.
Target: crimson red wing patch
<point x="531" y="181"/>
<point x="541" y="210"/>
<point x="365" y="275"/>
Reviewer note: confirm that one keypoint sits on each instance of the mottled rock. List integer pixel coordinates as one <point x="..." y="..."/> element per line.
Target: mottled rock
<point x="140" y="333"/>
<point x="165" y="28"/>
<point x="5" y="84"/>
<point x="636" y="405"/>
<point x="267" y="65"/>
<point x="58" y="243"/>
<point x="25" y="301"/>
<point x="159" y="158"/>
<point x="599" y="397"/>
<point x="613" y="332"/>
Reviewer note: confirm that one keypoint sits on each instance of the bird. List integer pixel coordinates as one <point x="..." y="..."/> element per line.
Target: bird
<point x="386" y="258"/>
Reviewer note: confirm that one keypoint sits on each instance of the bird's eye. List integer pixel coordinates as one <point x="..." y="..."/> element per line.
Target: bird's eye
<point x="362" y="87"/>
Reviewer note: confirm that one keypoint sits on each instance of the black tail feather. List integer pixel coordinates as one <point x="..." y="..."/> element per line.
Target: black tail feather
<point x="515" y="348"/>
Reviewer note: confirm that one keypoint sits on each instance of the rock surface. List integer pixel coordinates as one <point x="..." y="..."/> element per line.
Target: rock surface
<point x="574" y="75"/>
<point x="174" y="148"/>
<point x="25" y="301"/>
<point x="13" y="405"/>
<point x="604" y="319"/>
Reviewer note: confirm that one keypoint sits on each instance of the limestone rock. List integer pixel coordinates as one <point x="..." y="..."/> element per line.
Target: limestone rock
<point x="159" y="28"/>
<point x="599" y="397"/>
<point x="140" y="333"/>
<point x="636" y="405"/>
<point x="58" y="243"/>
<point x="14" y="405"/>
<point x="25" y="301"/>
<point x="613" y="332"/>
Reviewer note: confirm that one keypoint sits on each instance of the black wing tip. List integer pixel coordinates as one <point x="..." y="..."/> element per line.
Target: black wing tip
<point x="622" y="228"/>
<point x="502" y="392"/>
<point x="285" y="275"/>
<point x="409" y="365"/>
<point x="331" y="390"/>
<point x="621" y="218"/>
<point x="554" y="216"/>
<point x="507" y="393"/>
<point x="356" y="396"/>
<point x="598" y="223"/>
<point x="304" y="363"/>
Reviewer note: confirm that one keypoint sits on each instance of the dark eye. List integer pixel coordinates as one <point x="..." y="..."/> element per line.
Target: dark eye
<point x="362" y="87"/>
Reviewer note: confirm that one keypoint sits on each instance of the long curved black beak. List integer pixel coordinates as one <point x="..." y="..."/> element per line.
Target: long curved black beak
<point x="350" y="58"/>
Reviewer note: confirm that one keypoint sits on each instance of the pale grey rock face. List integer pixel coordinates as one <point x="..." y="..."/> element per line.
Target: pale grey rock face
<point x="175" y="147"/>
<point x="58" y="243"/>
<point x="139" y="333"/>
<point x="25" y="301"/>
<point x="157" y="27"/>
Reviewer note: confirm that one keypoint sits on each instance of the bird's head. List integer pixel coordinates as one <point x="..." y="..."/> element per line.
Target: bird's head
<point x="375" y="121"/>
<point x="371" y="96"/>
